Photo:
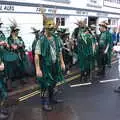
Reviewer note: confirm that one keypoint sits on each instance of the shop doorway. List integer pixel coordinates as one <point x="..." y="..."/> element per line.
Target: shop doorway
<point x="92" y="20"/>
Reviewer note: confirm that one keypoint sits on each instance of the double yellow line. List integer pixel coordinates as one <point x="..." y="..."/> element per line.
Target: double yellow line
<point x="29" y="95"/>
<point x="66" y="81"/>
<point x="38" y="91"/>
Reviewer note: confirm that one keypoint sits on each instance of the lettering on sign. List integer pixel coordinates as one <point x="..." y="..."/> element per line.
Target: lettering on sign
<point x="51" y="10"/>
<point x="82" y="12"/>
<point x="60" y="1"/>
<point x="7" y="8"/>
<point x="38" y="9"/>
<point x="94" y="3"/>
<point x="102" y="14"/>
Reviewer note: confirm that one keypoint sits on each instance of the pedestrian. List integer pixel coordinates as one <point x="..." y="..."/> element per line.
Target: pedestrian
<point x="114" y="36"/>
<point x="49" y="64"/>
<point x="37" y="37"/>
<point x="105" y="48"/>
<point x="15" y="57"/>
<point x="77" y="34"/>
<point x="118" y="36"/>
<point x="67" y="49"/>
<point x="3" y="90"/>
<point x="117" y="50"/>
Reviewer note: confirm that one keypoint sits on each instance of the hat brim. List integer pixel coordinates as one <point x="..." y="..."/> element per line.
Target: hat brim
<point x="66" y="33"/>
<point x="78" y="23"/>
<point x="103" y="25"/>
<point x="93" y="26"/>
<point x="35" y="31"/>
<point x="17" y="29"/>
<point x="14" y="30"/>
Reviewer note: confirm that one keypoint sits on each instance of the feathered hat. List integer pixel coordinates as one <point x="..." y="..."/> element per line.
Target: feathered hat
<point x="14" y="26"/>
<point x="35" y="31"/>
<point x="81" y="22"/>
<point x="47" y="22"/>
<point x="104" y="24"/>
<point x="1" y="22"/>
<point x="93" y="26"/>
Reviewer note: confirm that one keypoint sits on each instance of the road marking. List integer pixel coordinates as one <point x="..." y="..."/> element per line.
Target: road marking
<point x="111" y="80"/>
<point x="69" y="79"/>
<point x="71" y="73"/>
<point x="78" y="85"/>
<point x="29" y="96"/>
<point x="114" y="62"/>
<point x="102" y="81"/>
<point x="66" y="81"/>
<point x="38" y="91"/>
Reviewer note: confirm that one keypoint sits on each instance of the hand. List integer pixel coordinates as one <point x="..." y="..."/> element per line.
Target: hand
<point x="96" y="43"/>
<point x="105" y="52"/>
<point x="39" y="73"/>
<point x="2" y="43"/>
<point x="14" y="47"/>
<point x="20" y="45"/>
<point x="7" y="45"/>
<point x="1" y="67"/>
<point x="63" y="66"/>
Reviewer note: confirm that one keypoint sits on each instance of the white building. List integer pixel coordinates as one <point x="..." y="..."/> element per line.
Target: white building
<point x="27" y="13"/>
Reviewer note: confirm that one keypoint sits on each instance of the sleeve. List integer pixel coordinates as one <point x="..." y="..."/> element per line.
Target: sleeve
<point x="38" y="47"/>
<point x="110" y="40"/>
<point x="9" y="41"/>
<point x="21" y="42"/>
<point x="61" y="45"/>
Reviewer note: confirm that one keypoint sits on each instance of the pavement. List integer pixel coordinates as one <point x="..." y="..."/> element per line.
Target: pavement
<point x="82" y="101"/>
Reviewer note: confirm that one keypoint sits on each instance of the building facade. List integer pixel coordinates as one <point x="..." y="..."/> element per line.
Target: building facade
<point x="27" y="14"/>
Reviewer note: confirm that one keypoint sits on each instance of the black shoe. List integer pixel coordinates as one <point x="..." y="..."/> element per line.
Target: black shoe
<point x="4" y="111"/>
<point x="3" y="116"/>
<point x="47" y="108"/>
<point x="95" y="81"/>
<point x="109" y="66"/>
<point x="56" y="101"/>
<point x="22" y="82"/>
<point x="117" y="90"/>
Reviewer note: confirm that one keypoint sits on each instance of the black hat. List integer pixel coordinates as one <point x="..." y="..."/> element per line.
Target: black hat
<point x="35" y="30"/>
<point x="1" y="22"/>
<point x="14" y="29"/>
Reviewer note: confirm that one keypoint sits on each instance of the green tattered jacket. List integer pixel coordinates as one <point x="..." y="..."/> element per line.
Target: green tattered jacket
<point x="52" y="73"/>
<point x="105" y="38"/>
<point x="2" y="84"/>
<point x="16" y="54"/>
<point x="85" y="50"/>
<point x="2" y="38"/>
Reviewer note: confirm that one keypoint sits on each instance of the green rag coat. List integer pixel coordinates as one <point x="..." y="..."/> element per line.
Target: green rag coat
<point x="52" y="72"/>
<point x="85" y="51"/>
<point x="2" y="82"/>
<point x="105" y="38"/>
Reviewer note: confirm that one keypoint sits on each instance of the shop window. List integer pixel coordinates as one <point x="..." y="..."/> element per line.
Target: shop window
<point x="57" y="20"/>
<point x="113" y="1"/>
<point x="60" y="21"/>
